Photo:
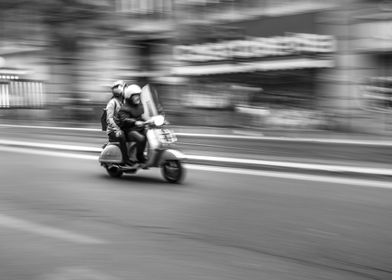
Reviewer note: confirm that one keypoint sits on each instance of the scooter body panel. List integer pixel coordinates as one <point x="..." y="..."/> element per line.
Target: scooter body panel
<point x="111" y="154"/>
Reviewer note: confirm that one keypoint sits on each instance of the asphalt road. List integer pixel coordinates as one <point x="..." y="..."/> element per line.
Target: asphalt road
<point x="65" y="219"/>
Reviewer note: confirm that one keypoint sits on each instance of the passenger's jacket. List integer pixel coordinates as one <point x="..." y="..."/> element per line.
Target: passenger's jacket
<point x="112" y="109"/>
<point x="128" y="115"/>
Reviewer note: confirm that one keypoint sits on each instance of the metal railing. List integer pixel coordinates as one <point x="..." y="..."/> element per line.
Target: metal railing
<point x="22" y="94"/>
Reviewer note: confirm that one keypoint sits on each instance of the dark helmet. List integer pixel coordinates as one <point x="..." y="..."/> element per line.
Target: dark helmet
<point x="118" y="87"/>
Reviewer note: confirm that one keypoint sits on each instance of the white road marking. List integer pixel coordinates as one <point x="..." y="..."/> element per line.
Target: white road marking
<point x="295" y="176"/>
<point x="296" y="165"/>
<point x="231" y="170"/>
<point x="51" y="127"/>
<point x="50" y="146"/>
<point x="26" y="226"/>
<point x="47" y="153"/>
<point x="78" y="273"/>
<point x="285" y="164"/>
<point x="385" y="143"/>
<point x="331" y="141"/>
<point x="225" y="136"/>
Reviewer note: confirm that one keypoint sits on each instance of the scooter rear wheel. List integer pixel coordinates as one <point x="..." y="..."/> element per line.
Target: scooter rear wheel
<point x="114" y="172"/>
<point x="173" y="171"/>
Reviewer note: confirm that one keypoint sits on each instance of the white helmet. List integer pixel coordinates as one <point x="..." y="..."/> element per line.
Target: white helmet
<point x="131" y="90"/>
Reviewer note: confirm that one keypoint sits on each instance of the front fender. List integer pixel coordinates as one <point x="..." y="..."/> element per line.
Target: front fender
<point x="171" y="154"/>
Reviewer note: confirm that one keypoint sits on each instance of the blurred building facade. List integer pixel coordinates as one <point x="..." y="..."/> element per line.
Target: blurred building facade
<point x="258" y="63"/>
<point x="80" y="47"/>
<point x="260" y="60"/>
<point x="358" y="88"/>
<point x="302" y="64"/>
<point x="22" y="71"/>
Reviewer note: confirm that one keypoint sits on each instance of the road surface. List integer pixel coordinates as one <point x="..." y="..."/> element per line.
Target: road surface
<point x="63" y="218"/>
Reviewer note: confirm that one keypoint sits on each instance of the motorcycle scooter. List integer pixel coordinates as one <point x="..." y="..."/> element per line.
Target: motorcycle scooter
<point x="159" y="150"/>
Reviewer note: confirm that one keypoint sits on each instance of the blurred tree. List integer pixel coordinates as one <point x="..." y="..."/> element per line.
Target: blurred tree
<point x="5" y="5"/>
<point x="67" y="22"/>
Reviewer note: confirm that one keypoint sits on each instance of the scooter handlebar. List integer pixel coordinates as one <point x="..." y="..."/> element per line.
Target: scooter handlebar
<point x="155" y="122"/>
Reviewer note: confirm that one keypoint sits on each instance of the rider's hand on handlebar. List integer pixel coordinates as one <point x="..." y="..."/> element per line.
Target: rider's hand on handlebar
<point x="139" y="123"/>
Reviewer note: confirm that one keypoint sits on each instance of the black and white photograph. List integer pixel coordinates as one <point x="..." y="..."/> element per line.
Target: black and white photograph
<point x="195" y="140"/>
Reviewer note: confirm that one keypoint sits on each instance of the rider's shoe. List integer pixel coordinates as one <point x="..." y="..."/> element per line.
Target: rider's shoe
<point x="141" y="159"/>
<point x="130" y="163"/>
<point x="132" y="166"/>
<point x="143" y="166"/>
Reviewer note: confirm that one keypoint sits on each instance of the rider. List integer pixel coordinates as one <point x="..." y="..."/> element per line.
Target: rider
<point x="115" y="134"/>
<point x="130" y="119"/>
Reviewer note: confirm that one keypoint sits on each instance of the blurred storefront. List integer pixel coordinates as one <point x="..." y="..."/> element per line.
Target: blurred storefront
<point x="265" y="67"/>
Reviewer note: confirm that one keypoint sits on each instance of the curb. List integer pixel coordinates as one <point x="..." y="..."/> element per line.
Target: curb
<point x="245" y="136"/>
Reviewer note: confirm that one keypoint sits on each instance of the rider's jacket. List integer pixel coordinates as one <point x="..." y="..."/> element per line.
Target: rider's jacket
<point x="128" y="115"/>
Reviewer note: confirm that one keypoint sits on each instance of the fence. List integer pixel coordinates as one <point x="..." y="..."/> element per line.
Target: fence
<point x="22" y="94"/>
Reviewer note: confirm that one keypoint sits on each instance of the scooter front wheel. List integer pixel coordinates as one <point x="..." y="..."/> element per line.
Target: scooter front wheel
<point x="173" y="171"/>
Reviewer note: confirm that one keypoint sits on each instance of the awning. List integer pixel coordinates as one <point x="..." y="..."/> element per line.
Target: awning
<point x="201" y="70"/>
<point x="290" y="64"/>
<point x="12" y="73"/>
<point x="245" y="67"/>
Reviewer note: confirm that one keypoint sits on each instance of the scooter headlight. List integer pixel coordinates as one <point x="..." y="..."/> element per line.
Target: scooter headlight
<point x="159" y="120"/>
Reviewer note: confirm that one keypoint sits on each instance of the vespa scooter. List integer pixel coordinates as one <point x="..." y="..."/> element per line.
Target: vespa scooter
<point x="160" y="151"/>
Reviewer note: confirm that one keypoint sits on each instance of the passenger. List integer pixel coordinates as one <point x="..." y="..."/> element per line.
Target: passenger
<point x="115" y="134"/>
